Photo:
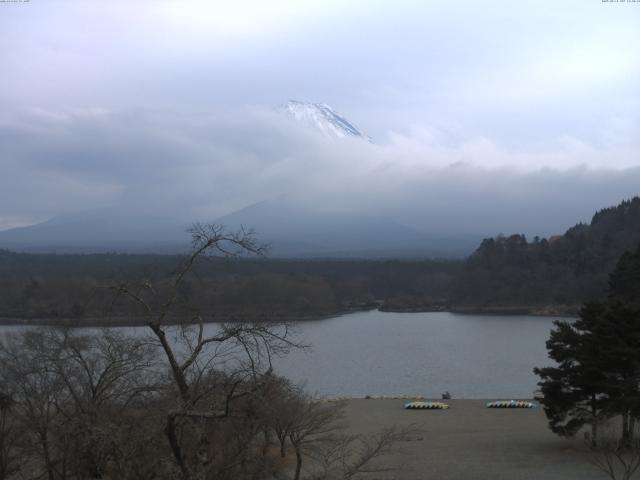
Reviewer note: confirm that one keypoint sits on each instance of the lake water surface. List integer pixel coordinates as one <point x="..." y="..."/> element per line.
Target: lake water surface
<point x="385" y="353"/>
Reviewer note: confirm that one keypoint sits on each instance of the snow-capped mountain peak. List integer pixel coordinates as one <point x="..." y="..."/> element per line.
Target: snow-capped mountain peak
<point x="322" y="117"/>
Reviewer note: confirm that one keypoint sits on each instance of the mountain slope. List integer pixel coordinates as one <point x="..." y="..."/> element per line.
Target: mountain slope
<point x="292" y="230"/>
<point x="322" y="117"/>
<point x="295" y="231"/>
<point x="99" y="230"/>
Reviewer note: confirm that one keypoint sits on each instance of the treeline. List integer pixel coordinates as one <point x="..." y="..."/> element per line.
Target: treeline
<point x="555" y="274"/>
<point x="505" y="274"/>
<point x="39" y="286"/>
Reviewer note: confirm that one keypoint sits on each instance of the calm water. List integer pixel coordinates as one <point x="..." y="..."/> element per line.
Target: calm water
<point x="381" y="353"/>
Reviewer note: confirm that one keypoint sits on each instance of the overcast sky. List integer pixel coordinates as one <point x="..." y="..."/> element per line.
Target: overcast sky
<point x="171" y="102"/>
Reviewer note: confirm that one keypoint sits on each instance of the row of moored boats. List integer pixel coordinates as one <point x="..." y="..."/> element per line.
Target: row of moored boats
<point x="495" y="404"/>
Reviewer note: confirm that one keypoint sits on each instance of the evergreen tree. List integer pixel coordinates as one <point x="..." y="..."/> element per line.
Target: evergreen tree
<point x="623" y="347"/>
<point x="624" y="281"/>
<point x="619" y="334"/>
<point x="574" y="391"/>
<point x="598" y="359"/>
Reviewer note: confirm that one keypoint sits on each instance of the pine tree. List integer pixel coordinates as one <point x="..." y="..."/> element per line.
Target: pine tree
<point x="624" y="281"/>
<point x="598" y="359"/>
<point x="574" y="391"/>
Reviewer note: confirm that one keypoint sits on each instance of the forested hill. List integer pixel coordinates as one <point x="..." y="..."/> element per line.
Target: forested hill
<point x="555" y="274"/>
<point x="507" y="274"/>
<point x="52" y="287"/>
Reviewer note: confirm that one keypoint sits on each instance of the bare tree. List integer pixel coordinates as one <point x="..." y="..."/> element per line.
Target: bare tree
<point x="351" y="456"/>
<point x="104" y="374"/>
<point x="618" y="458"/>
<point x="10" y="435"/>
<point x="312" y="423"/>
<point x="281" y="408"/>
<point x="70" y="392"/>
<point x="317" y="434"/>
<point x="209" y="370"/>
<point x="37" y="392"/>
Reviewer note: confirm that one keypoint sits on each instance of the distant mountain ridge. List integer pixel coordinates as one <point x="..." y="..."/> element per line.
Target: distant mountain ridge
<point x="293" y="230"/>
<point x="322" y="117"/>
<point x="100" y="230"/>
<point x="297" y="231"/>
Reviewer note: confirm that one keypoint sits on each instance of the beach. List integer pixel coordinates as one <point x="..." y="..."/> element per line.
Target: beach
<point x="471" y="442"/>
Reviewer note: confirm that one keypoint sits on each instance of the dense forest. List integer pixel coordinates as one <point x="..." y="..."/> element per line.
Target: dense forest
<point x="549" y="275"/>
<point x="505" y="274"/>
<point x="37" y="286"/>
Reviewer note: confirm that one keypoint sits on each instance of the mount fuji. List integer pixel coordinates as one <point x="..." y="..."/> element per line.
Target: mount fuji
<point x="323" y="118"/>
<point x="293" y="228"/>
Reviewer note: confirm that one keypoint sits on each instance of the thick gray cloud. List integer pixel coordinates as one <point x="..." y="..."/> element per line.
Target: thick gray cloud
<point x="200" y="166"/>
<point x="481" y="111"/>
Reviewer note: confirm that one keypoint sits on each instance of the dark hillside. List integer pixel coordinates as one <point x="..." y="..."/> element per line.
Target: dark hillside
<point x="555" y="274"/>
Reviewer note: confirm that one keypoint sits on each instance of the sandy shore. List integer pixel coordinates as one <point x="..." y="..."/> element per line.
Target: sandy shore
<point x="471" y="442"/>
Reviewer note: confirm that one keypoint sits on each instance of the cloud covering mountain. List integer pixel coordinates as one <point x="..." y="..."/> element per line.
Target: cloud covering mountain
<point x="487" y="117"/>
<point x="187" y="166"/>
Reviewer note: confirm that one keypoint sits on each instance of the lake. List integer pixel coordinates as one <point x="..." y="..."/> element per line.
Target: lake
<point x="386" y="353"/>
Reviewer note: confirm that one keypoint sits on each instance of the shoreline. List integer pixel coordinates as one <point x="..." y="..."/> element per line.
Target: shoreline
<point x="141" y="322"/>
<point x="99" y="322"/>
<point x="534" y="311"/>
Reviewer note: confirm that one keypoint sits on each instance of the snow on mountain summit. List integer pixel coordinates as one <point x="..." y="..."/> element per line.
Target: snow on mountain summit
<point x="322" y="117"/>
